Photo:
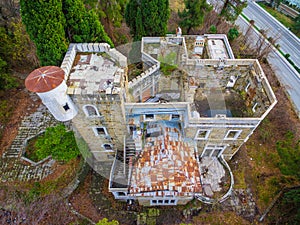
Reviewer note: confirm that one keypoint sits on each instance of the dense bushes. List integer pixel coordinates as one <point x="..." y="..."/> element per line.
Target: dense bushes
<point x="57" y="142"/>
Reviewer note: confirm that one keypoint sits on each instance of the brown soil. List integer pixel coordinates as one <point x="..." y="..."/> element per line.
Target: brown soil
<point x="82" y="201"/>
<point x="22" y="105"/>
<point x="93" y="200"/>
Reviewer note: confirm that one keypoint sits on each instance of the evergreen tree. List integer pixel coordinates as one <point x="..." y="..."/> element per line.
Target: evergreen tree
<point x="139" y="25"/>
<point x="213" y="29"/>
<point x="232" y="9"/>
<point x="97" y="32"/>
<point x="233" y="33"/>
<point x="112" y="11"/>
<point x="45" y="24"/>
<point x="47" y="21"/>
<point x="147" y="17"/>
<point x="83" y="25"/>
<point x="193" y="14"/>
<point x="130" y="16"/>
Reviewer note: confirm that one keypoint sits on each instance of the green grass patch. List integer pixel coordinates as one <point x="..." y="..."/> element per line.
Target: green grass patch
<point x="168" y="59"/>
<point x="167" y="69"/>
<point x="245" y="17"/>
<point x="239" y="178"/>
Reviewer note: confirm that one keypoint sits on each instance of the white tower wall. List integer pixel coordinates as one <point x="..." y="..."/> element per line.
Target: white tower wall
<point x="59" y="103"/>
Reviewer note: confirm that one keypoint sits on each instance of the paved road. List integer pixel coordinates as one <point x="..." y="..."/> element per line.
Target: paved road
<point x="288" y="42"/>
<point x="287" y="75"/>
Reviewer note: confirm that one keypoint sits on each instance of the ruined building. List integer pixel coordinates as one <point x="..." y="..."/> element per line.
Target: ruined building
<point x="162" y="133"/>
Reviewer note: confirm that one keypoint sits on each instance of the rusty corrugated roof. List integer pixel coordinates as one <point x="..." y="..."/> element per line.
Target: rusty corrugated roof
<point x="168" y="165"/>
<point x="44" y="79"/>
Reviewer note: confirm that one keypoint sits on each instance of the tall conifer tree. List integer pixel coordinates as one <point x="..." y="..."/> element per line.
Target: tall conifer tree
<point x="147" y="17"/>
<point x="193" y="14"/>
<point x="45" y="23"/>
<point x="83" y="25"/>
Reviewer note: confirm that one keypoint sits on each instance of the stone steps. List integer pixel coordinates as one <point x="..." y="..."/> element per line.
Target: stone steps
<point x="11" y="167"/>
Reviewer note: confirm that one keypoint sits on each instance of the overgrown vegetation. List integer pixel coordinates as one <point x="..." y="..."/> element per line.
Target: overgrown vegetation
<point x="289" y="152"/>
<point x="291" y="201"/>
<point x="167" y="69"/>
<point x="233" y="33"/>
<point x="193" y="14"/>
<point x="106" y="222"/>
<point x="232" y="9"/>
<point x="52" y="25"/>
<point x="57" y="142"/>
<point x="213" y="29"/>
<point x="147" y="17"/>
<point x="7" y="81"/>
<point x="82" y="25"/>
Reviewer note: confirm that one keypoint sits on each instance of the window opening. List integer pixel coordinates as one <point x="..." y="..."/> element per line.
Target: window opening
<point x="232" y="134"/>
<point x="202" y="134"/>
<point x="108" y="147"/>
<point x="121" y="194"/>
<point x="66" y="107"/>
<point x="100" y="130"/>
<point x="175" y="117"/>
<point x="149" y="116"/>
<point x="90" y="111"/>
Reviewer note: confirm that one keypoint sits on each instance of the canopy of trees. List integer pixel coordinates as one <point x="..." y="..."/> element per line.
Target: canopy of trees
<point x="232" y="9"/>
<point x="193" y="14"/>
<point x="147" y="17"/>
<point x="16" y="48"/>
<point x="52" y="25"/>
<point x="45" y="24"/>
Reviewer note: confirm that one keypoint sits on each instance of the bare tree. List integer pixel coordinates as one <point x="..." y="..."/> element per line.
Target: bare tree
<point x="18" y="208"/>
<point x="265" y="45"/>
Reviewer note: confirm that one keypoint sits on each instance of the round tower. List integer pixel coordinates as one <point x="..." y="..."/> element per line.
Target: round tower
<point x="49" y="84"/>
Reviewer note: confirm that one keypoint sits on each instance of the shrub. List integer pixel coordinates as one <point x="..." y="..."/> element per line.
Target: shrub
<point x="213" y="29"/>
<point x="233" y="33"/>
<point x="167" y="69"/>
<point x="57" y="142"/>
<point x="289" y="152"/>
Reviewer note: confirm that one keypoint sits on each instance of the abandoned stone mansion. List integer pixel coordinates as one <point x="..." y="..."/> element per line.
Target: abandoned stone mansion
<point x="162" y="129"/>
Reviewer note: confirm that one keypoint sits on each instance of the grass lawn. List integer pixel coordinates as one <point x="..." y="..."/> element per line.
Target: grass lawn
<point x="168" y="59"/>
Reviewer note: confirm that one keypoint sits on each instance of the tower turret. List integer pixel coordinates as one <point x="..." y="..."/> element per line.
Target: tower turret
<point x="49" y="84"/>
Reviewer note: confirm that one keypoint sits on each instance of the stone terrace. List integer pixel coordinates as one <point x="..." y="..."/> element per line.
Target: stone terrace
<point x="12" y="167"/>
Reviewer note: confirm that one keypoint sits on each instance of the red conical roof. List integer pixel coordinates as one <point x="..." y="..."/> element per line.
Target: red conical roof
<point x="44" y="79"/>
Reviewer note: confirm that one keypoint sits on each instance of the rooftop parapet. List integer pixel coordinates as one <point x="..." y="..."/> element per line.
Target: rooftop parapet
<point x="99" y="71"/>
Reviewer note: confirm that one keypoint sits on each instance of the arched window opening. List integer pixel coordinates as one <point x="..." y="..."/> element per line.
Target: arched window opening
<point x="91" y="111"/>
